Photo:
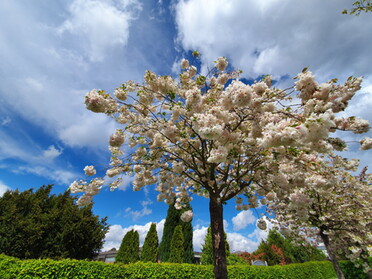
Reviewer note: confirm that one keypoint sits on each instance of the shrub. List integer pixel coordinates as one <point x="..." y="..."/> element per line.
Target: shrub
<point x="13" y="268"/>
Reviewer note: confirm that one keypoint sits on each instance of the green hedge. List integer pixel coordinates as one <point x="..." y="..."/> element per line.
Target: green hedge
<point x="351" y="271"/>
<point x="12" y="268"/>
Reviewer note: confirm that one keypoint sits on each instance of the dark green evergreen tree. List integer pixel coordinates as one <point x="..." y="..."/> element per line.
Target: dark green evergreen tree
<point x="129" y="248"/>
<point x="135" y="247"/>
<point x="206" y="256"/>
<point x="171" y="222"/>
<point x="150" y="248"/>
<point x="40" y="225"/>
<point x="177" y="250"/>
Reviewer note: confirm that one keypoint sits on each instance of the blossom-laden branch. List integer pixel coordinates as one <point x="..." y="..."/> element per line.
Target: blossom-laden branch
<point x="333" y="203"/>
<point x="216" y="135"/>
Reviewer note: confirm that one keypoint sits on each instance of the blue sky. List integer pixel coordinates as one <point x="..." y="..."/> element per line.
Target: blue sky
<point x="53" y="52"/>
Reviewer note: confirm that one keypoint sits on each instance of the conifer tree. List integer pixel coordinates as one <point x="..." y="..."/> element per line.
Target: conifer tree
<point x="150" y="249"/>
<point x="207" y="249"/>
<point x="177" y="251"/>
<point x="38" y="224"/>
<point x="129" y="248"/>
<point x="173" y="220"/>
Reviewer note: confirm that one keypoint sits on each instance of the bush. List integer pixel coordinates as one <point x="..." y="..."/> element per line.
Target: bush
<point x="351" y="271"/>
<point x="13" y="268"/>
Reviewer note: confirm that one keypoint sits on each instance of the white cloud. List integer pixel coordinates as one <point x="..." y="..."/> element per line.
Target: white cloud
<point x="243" y="219"/>
<point x="52" y="173"/>
<point x="240" y="243"/>
<point x="100" y="25"/>
<point x="51" y="153"/>
<point x="237" y="242"/>
<point x="135" y="214"/>
<point x="277" y="37"/>
<point x="116" y="233"/>
<point x="3" y="188"/>
<point x="34" y="160"/>
<point x="198" y="238"/>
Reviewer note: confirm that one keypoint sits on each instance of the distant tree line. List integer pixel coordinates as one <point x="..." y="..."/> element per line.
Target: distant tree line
<point x="176" y="244"/>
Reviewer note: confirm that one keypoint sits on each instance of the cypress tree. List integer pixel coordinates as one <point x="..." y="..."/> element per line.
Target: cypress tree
<point x="135" y="247"/>
<point x="177" y="251"/>
<point x="129" y="248"/>
<point x="150" y="249"/>
<point x="206" y="256"/>
<point x="171" y="222"/>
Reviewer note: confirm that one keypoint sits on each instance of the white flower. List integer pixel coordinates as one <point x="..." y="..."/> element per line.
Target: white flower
<point x="366" y="143"/>
<point x="117" y="139"/>
<point x="261" y="224"/>
<point x="187" y="216"/>
<point x="184" y="64"/>
<point x="89" y="170"/>
<point x="221" y="63"/>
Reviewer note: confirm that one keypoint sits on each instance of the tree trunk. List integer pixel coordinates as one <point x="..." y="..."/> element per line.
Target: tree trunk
<point x="332" y="255"/>
<point x="218" y="240"/>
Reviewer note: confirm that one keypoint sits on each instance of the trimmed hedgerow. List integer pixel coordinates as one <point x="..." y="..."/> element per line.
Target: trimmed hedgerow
<point x="12" y="268"/>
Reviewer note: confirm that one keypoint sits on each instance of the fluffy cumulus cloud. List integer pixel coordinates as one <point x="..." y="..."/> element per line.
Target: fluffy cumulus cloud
<point x="3" y="188"/>
<point x="281" y="38"/>
<point x="243" y="219"/>
<point x="100" y="25"/>
<point x="198" y="237"/>
<point x="277" y="37"/>
<point x="241" y="243"/>
<point x="116" y="233"/>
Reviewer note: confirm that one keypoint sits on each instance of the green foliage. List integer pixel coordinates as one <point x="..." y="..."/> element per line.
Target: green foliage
<point x="206" y="256"/>
<point x="177" y="249"/>
<point x="360" y="6"/>
<point x="129" y="248"/>
<point x="293" y="252"/>
<point x="350" y="270"/>
<point x="171" y="222"/>
<point x="150" y="249"/>
<point x="40" y="225"/>
<point x="12" y="268"/>
<point x="234" y="259"/>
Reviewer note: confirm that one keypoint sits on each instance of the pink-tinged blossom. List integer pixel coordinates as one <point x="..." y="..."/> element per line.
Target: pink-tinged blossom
<point x="89" y="170"/>
<point x="184" y="63"/>
<point x="218" y="155"/>
<point x="187" y="216"/>
<point x="117" y="139"/>
<point x="221" y="63"/>
<point x="98" y="101"/>
<point x="366" y="143"/>
<point x="261" y="224"/>
<point x="121" y="93"/>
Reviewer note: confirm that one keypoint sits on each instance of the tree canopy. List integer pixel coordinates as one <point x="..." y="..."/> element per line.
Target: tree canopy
<point x="216" y="136"/>
<point x="36" y="224"/>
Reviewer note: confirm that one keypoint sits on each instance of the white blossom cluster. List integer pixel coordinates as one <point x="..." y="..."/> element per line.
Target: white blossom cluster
<point x="220" y="138"/>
